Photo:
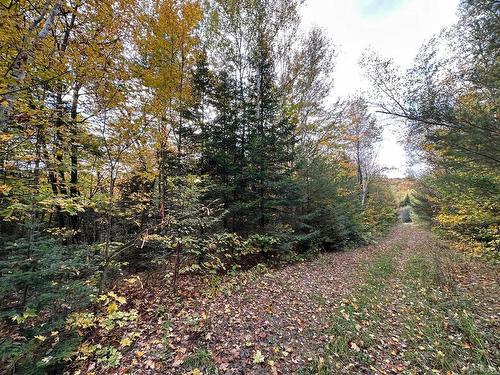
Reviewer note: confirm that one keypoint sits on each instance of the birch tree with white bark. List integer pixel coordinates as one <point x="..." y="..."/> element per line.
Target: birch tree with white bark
<point x="363" y="135"/>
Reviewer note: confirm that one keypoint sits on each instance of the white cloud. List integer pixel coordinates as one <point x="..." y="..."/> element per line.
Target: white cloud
<point x="395" y="28"/>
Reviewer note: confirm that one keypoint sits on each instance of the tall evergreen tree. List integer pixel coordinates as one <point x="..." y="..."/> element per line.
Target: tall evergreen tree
<point x="271" y="139"/>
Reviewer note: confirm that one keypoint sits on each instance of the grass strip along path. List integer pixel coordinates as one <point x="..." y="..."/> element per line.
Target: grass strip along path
<point x="420" y="310"/>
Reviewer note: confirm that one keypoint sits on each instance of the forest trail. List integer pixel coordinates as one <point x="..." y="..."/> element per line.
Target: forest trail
<point x="289" y="310"/>
<point x="406" y="303"/>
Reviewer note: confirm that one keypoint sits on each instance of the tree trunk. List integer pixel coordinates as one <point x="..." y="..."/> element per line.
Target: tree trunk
<point x="177" y="263"/>
<point x="73" y="183"/>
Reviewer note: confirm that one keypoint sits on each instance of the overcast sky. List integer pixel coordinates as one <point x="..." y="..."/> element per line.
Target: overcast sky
<point x="395" y="28"/>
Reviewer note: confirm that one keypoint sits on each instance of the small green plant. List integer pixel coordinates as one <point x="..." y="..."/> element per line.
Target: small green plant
<point x="214" y="285"/>
<point x="108" y="356"/>
<point x="260" y="268"/>
<point x="201" y="360"/>
<point x="167" y="329"/>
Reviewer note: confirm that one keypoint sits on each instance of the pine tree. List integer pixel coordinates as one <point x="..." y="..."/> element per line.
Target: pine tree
<point x="221" y="148"/>
<point x="271" y="142"/>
